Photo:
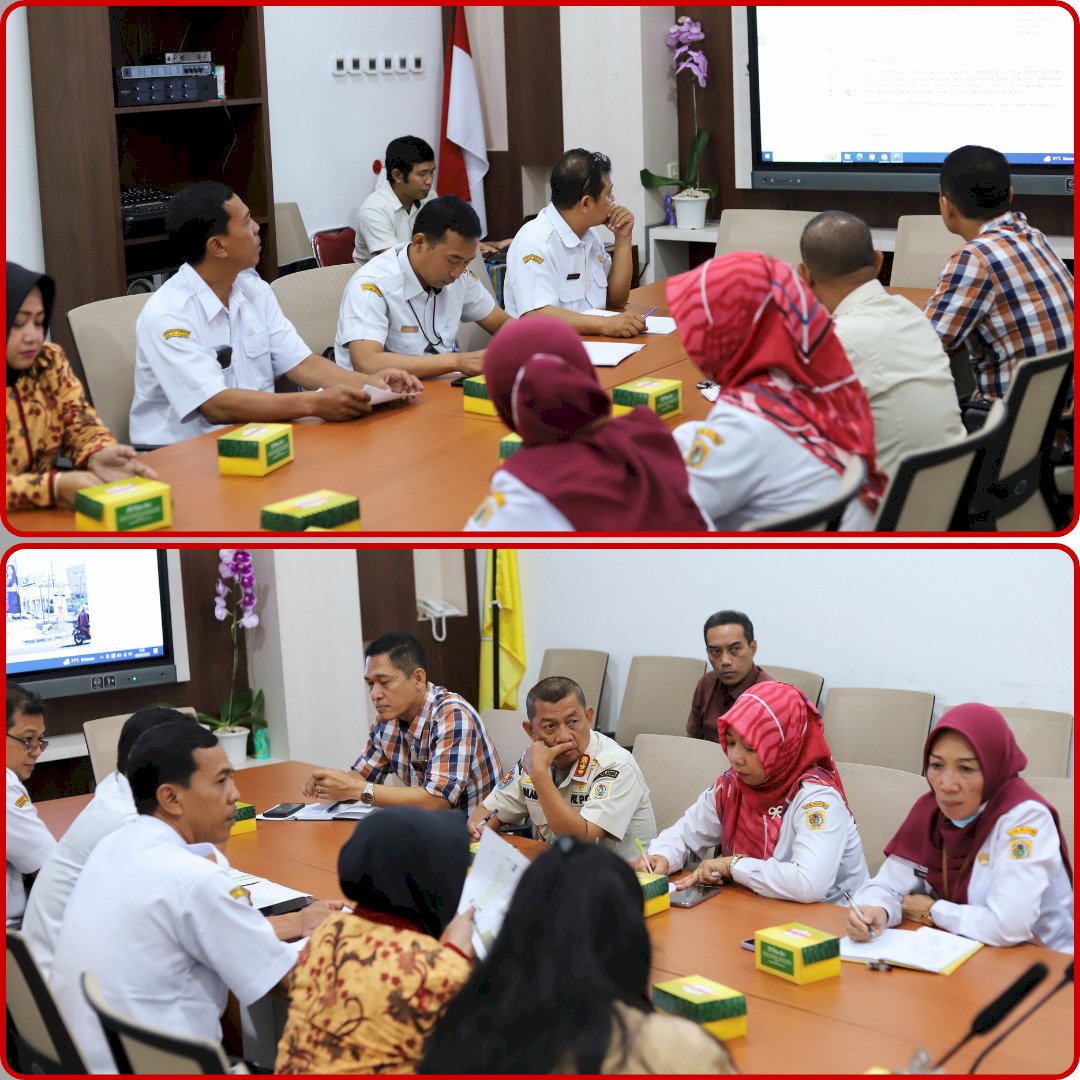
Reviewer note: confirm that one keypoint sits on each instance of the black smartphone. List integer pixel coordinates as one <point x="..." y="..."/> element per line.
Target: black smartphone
<point x="693" y="895"/>
<point x="283" y="907"/>
<point x="283" y="809"/>
<point x="459" y="381"/>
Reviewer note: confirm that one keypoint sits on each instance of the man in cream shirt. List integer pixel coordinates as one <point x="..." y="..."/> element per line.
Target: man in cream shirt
<point x="891" y="344"/>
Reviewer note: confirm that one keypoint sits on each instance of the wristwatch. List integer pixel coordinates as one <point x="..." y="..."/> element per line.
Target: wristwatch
<point x="731" y="865"/>
<point x="367" y="796"/>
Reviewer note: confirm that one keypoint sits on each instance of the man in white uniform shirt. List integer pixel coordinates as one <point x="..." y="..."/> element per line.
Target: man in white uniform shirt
<point x="111" y="807"/>
<point x="571" y="781"/>
<point x="407" y="184"/>
<point x="893" y="347"/>
<point x="211" y="341"/>
<point x="155" y="915"/>
<point x="29" y="842"/>
<point x="405" y="307"/>
<point x="557" y="264"/>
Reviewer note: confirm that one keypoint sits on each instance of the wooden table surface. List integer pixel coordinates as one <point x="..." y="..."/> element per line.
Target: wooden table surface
<point x="861" y="1019"/>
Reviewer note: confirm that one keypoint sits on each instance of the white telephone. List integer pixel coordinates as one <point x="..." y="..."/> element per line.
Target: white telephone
<point x="436" y="610"/>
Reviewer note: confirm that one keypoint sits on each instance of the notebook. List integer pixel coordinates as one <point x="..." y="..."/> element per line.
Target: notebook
<point x="925" y="949"/>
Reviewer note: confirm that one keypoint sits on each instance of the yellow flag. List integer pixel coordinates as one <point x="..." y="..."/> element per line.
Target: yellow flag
<point x="511" y="633"/>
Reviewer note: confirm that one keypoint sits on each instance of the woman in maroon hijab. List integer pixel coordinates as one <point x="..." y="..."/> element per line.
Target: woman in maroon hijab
<point x="981" y="854"/>
<point x="578" y="469"/>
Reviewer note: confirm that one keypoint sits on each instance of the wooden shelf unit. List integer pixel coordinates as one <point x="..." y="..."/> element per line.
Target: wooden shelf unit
<point x="88" y="149"/>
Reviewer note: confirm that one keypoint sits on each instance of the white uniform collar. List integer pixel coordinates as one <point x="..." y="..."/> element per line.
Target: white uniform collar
<point x="206" y="296"/>
<point x="165" y="833"/>
<point x="870" y="290"/>
<point x="563" y="231"/>
<point x="413" y="289"/>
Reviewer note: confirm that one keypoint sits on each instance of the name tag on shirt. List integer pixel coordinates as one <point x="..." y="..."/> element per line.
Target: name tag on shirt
<point x="572" y="277"/>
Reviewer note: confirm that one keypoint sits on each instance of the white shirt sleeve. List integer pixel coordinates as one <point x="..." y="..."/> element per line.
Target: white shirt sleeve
<point x="613" y="800"/>
<point x="509" y="801"/>
<point x="377" y="226"/>
<point x="1022" y="866"/>
<point x="29" y="842"/>
<point x="888" y="887"/>
<point x="365" y="314"/>
<point x="821" y="834"/>
<point x="693" y="834"/>
<point x="514" y="507"/>
<point x="536" y="278"/>
<point x="230" y="937"/>
<point x="186" y="370"/>
<point x="479" y="303"/>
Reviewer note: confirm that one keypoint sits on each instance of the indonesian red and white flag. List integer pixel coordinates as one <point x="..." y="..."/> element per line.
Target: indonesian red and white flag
<point x="463" y="162"/>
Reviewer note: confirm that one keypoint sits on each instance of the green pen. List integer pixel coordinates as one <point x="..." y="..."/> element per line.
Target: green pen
<point x="640" y="847"/>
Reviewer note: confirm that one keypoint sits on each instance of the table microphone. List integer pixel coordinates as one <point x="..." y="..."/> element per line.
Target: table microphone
<point x="1066" y="978"/>
<point x="1000" y="1007"/>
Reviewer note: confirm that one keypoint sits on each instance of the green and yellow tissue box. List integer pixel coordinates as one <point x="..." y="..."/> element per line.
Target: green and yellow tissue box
<point x="797" y="953"/>
<point x="654" y="890"/>
<point x="134" y="504"/>
<point x="255" y="449"/>
<point x="327" y="511"/>
<point x="720" y="1010"/>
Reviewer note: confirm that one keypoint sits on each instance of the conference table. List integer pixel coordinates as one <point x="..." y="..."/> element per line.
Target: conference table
<point x="418" y="467"/>
<point x="862" y="1019"/>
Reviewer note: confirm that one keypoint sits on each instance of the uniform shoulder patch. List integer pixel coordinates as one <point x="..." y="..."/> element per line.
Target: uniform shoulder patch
<point x="704" y="441"/>
<point x="815" y="819"/>
<point x="370" y="286"/>
<point x="1023" y="830"/>
<point x="508" y="779"/>
<point x="22" y="800"/>
<point x="176" y="332"/>
<point x="811" y="805"/>
<point x="607" y="773"/>
<point x="532" y="258"/>
<point x="483" y="513"/>
<point x="1020" y="847"/>
<point x="602" y="789"/>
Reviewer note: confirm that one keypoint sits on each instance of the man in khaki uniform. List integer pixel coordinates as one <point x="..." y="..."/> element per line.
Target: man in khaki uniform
<point x="572" y="781"/>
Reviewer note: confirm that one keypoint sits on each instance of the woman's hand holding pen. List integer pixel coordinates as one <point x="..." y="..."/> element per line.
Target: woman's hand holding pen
<point x="874" y="919"/>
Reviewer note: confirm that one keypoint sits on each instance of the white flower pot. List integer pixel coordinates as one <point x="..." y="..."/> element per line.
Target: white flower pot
<point x="690" y="211"/>
<point x="234" y="740"/>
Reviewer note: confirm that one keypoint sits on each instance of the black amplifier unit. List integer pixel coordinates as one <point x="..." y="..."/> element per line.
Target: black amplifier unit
<point x="161" y="91"/>
<point x="142" y="210"/>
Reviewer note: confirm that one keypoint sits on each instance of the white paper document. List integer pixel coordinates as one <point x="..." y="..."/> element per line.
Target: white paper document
<point x="488" y="887"/>
<point x="381" y="397"/>
<point x="927" y="949"/>
<point x="340" y="811"/>
<point x="264" y="893"/>
<point x="609" y="353"/>
<point x="654" y="324"/>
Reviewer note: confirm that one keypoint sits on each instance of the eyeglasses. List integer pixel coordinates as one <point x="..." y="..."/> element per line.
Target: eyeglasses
<point x="30" y="745"/>
<point x="600" y="164"/>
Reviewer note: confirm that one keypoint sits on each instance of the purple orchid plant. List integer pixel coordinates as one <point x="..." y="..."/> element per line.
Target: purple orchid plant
<point x="234" y="602"/>
<point x="680" y="39"/>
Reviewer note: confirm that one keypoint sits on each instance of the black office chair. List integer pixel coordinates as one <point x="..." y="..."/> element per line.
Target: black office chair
<point x="1015" y="489"/>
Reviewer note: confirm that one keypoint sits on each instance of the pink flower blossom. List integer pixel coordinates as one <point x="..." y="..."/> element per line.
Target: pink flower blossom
<point x="684" y="32"/>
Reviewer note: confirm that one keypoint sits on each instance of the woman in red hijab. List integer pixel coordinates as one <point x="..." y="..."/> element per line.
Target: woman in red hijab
<point x="981" y="854"/>
<point x="579" y="469"/>
<point x="791" y="411"/>
<point x="779" y="814"/>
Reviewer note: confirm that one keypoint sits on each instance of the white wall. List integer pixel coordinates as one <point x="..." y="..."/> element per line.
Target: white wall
<point x="326" y="130"/>
<point x="307" y="655"/>
<point x="966" y="625"/>
<point x="619" y="96"/>
<point x="23" y="212"/>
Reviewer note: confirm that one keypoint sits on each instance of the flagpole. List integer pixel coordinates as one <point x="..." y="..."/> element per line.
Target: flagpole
<point x="496" y="701"/>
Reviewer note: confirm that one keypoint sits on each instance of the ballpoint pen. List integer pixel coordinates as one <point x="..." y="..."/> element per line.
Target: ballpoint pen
<point x="859" y="915"/>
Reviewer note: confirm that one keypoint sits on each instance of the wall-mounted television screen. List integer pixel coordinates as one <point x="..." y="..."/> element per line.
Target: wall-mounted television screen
<point x="81" y="620"/>
<point x="873" y="98"/>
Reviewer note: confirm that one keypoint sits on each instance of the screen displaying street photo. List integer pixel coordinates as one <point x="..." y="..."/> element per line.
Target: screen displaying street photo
<point x="71" y="608"/>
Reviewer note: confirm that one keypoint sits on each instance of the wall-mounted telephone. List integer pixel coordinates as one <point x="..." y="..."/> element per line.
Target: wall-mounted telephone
<point x="437" y="611"/>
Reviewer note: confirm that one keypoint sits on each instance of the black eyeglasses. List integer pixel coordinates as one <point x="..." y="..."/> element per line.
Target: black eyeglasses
<point x="30" y="745"/>
<point x="600" y="164"/>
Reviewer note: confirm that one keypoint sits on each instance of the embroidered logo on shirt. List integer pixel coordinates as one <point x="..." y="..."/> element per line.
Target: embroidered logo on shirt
<point x="368" y="286"/>
<point x="811" y="805"/>
<point x="608" y="774"/>
<point x="704" y="441"/>
<point x="22" y="800"/>
<point x="1020" y="849"/>
<point x="508" y="779"/>
<point x="816" y="819"/>
<point x="582" y="766"/>
<point x="602" y="789"/>
<point x="176" y="333"/>
<point x="409" y="330"/>
<point x="1023" y="830"/>
<point x="532" y="258"/>
<point x="984" y="858"/>
<point x="239" y="893"/>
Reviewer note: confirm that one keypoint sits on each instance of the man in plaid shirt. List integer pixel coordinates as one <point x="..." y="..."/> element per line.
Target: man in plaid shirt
<point x="431" y="738"/>
<point x="1005" y="294"/>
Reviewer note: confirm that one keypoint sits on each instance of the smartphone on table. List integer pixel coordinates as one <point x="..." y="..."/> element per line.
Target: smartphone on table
<point x="283" y="810"/>
<point x="693" y="895"/>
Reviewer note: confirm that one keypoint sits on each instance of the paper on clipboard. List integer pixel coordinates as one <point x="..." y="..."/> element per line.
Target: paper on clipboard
<point x="489" y="886"/>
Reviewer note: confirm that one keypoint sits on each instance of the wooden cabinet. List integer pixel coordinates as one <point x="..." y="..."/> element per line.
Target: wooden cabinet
<point x="88" y="149"/>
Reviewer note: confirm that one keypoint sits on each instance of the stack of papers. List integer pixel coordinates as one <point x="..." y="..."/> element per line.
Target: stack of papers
<point x="925" y="949"/>
<point x="265" y="894"/>
<point x="489" y="886"/>
<point x="341" y="811"/>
